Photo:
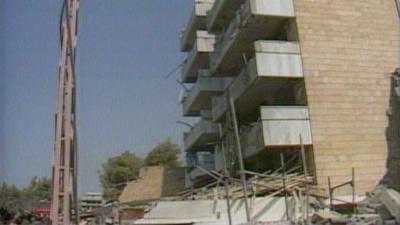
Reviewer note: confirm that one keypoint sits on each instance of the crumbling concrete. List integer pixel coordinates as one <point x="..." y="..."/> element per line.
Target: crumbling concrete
<point x="331" y="217"/>
<point x="392" y="177"/>
<point x="382" y="201"/>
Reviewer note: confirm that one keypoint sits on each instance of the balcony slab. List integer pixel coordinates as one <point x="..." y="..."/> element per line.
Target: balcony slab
<point x="257" y="19"/>
<point x="199" y="96"/>
<point x="196" y="22"/>
<point x="280" y="126"/>
<point x="274" y="76"/>
<point x="198" y="57"/>
<point x="221" y="13"/>
<point x="204" y="133"/>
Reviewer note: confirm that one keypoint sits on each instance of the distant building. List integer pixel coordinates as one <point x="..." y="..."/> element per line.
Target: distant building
<point x="91" y="201"/>
<point x="41" y="209"/>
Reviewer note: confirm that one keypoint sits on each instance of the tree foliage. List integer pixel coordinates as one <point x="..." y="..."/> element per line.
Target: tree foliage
<point x="117" y="171"/>
<point x="165" y="153"/>
<point x="39" y="188"/>
<point x="14" y="199"/>
<point x="10" y="197"/>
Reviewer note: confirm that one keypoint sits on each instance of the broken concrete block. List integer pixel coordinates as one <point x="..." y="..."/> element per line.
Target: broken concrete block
<point x="391" y="200"/>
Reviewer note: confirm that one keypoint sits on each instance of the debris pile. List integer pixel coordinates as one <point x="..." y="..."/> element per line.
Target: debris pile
<point x="382" y="201"/>
<point x="335" y="218"/>
<point x="284" y="196"/>
<point x="291" y="186"/>
<point x="267" y="183"/>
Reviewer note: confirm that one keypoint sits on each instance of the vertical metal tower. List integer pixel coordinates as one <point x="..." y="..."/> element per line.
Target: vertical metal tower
<point x="64" y="207"/>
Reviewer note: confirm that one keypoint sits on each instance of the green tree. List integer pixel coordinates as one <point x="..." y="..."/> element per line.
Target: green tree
<point x="14" y="199"/>
<point x="10" y="197"/>
<point x="39" y="189"/>
<point x="117" y="171"/>
<point x="165" y="153"/>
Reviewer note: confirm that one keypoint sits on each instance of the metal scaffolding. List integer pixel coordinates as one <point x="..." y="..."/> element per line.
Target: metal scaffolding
<point x="64" y="207"/>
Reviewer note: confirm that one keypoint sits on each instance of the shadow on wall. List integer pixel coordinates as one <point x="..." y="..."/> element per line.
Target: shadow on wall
<point x="392" y="176"/>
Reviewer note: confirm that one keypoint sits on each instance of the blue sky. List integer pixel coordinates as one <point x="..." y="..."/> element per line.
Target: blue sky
<point x="125" y="49"/>
<point x="2" y="100"/>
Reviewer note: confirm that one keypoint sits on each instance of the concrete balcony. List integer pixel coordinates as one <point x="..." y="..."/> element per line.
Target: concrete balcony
<point x="198" y="56"/>
<point x="199" y="96"/>
<point x="205" y="114"/>
<point x="203" y="159"/>
<point x="221" y="13"/>
<point x="272" y="77"/>
<point x="256" y="19"/>
<point x="196" y="22"/>
<point x="204" y="133"/>
<point x="280" y="126"/>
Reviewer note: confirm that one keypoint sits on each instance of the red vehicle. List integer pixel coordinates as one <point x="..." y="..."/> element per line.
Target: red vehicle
<point x="41" y="210"/>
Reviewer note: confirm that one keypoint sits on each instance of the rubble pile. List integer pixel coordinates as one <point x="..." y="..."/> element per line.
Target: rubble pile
<point x="335" y="218"/>
<point x="267" y="183"/>
<point x="382" y="201"/>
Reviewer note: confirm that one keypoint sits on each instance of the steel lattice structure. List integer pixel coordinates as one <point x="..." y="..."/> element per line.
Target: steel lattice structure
<point x="64" y="207"/>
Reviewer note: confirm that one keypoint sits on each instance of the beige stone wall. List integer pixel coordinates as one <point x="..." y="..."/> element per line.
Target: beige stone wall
<point x="349" y="49"/>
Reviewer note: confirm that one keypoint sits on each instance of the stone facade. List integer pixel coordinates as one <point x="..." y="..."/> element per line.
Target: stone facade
<point x="349" y="50"/>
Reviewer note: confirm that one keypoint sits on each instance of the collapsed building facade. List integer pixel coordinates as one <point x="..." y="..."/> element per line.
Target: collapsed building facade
<point x="300" y="73"/>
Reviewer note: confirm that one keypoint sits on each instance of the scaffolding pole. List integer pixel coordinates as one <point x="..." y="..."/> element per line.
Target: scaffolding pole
<point x="226" y="174"/>
<point x="284" y="185"/>
<point x="305" y="171"/>
<point x="64" y="203"/>
<point x="240" y="157"/>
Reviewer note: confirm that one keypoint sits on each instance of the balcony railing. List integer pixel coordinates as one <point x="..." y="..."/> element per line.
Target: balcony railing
<point x="199" y="96"/>
<point x="256" y="19"/>
<point x="205" y="132"/>
<point x="221" y="13"/>
<point x="204" y="159"/>
<point x="276" y="64"/>
<point x="280" y="126"/>
<point x="198" y="56"/>
<point x="196" y="22"/>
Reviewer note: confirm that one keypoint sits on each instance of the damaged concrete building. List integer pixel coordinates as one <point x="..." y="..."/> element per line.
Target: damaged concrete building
<point x="300" y="72"/>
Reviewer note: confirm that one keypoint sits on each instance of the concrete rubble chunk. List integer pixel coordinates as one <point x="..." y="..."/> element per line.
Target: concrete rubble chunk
<point x="328" y="217"/>
<point x="391" y="200"/>
<point x="383" y="201"/>
<point x="332" y="217"/>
